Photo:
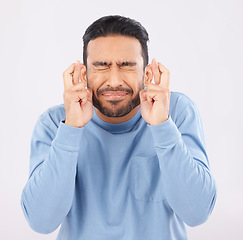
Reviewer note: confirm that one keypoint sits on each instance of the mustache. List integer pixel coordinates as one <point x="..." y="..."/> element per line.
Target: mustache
<point x="119" y="88"/>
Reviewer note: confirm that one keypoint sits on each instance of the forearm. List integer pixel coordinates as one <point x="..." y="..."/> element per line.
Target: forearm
<point x="189" y="187"/>
<point x="48" y="194"/>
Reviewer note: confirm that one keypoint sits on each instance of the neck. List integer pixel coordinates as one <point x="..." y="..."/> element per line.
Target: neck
<point x="117" y="119"/>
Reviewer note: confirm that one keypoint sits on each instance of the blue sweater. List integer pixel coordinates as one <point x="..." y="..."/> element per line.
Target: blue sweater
<point x="128" y="181"/>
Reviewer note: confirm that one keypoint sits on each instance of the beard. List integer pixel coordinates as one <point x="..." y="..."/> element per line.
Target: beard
<point x="114" y="111"/>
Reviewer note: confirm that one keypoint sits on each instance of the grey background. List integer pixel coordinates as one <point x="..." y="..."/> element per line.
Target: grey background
<point x="200" y="42"/>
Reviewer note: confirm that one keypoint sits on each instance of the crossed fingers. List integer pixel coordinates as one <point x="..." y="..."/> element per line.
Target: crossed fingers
<point x="160" y="74"/>
<point x="72" y="75"/>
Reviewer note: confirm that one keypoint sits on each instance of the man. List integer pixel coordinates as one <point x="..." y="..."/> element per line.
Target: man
<point x="123" y="157"/>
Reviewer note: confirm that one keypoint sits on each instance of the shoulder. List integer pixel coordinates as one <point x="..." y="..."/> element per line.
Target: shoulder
<point x="181" y="104"/>
<point x="180" y="99"/>
<point x="52" y="116"/>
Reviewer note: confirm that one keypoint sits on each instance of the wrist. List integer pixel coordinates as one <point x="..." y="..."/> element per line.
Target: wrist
<point x="155" y="123"/>
<point x="72" y="124"/>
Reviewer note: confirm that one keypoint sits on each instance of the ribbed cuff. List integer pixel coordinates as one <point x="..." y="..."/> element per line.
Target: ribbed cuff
<point x="69" y="136"/>
<point x="165" y="133"/>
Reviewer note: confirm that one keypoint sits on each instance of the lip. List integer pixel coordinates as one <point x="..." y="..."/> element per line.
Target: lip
<point x="114" y="94"/>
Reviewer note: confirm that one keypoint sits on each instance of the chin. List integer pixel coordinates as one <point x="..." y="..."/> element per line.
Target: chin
<point x="116" y="108"/>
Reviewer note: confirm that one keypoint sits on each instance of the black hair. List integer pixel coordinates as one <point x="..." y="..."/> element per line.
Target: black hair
<point x="116" y="25"/>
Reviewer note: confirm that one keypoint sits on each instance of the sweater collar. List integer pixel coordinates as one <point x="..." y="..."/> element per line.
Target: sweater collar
<point x="117" y="128"/>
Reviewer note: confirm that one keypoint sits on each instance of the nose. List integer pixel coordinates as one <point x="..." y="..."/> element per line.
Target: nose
<point x="114" y="78"/>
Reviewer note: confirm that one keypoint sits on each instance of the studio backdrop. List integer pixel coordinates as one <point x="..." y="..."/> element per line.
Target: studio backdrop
<point x="199" y="42"/>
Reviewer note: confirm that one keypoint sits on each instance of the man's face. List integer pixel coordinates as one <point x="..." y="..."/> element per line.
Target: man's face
<point x="115" y="74"/>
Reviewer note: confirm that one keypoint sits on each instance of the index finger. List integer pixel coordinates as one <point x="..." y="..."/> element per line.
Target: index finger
<point x="155" y="71"/>
<point x="165" y="76"/>
<point x="77" y="71"/>
<point x="67" y="76"/>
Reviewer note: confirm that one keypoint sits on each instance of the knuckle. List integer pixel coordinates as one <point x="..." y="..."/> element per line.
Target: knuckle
<point x="83" y="93"/>
<point x="78" y="87"/>
<point x="67" y="94"/>
<point x="150" y="86"/>
<point x="81" y="84"/>
<point x="65" y="73"/>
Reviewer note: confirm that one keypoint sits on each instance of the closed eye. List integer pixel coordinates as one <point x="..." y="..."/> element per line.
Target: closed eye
<point x="102" y="69"/>
<point x="101" y="66"/>
<point x="127" y="64"/>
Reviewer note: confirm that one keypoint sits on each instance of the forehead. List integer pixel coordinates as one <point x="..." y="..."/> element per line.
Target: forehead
<point x="114" y="48"/>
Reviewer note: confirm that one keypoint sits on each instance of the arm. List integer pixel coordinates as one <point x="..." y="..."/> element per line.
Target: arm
<point x="48" y="194"/>
<point x="190" y="189"/>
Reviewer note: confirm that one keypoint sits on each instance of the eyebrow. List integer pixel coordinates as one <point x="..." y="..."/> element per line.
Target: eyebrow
<point x="98" y="63"/>
<point x="126" y="63"/>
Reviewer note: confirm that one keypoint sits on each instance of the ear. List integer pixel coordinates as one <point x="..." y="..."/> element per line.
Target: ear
<point x="83" y="75"/>
<point x="148" y="75"/>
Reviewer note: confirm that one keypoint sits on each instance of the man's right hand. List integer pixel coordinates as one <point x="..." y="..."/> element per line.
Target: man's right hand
<point x="77" y="99"/>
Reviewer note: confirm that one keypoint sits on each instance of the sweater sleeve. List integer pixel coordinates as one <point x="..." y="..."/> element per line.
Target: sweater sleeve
<point x="190" y="189"/>
<point x="47" y="197"/>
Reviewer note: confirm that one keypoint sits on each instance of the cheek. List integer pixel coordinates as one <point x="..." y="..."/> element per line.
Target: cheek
<point x="94" y="81"/>
<point x="136" y="83"/>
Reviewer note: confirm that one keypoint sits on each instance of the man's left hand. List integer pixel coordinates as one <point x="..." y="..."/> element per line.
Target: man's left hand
<point x="155" y="101"/>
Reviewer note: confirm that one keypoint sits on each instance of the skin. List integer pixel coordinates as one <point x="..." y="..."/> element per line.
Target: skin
<point x="115" y="79"/>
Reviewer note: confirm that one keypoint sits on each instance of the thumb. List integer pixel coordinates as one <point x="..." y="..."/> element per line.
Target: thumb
<point x="143" y="96"/>
<point x="89" y="96"/>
